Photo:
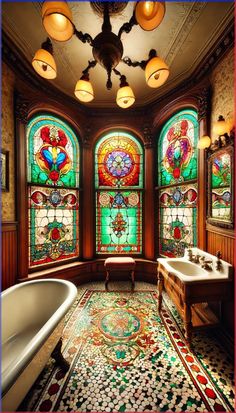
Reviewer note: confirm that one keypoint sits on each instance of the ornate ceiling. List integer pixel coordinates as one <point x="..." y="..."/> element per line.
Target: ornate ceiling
<point x="184" y="38"/>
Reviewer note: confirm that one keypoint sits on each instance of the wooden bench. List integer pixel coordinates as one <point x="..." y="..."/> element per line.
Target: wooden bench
<point x="119" y="264"/>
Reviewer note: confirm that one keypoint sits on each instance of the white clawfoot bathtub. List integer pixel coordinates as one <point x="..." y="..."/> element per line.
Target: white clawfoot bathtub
<point x="32" y="324"/>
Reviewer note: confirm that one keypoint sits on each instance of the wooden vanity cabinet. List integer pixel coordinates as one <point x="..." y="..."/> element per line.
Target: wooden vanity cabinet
<point x="191" y="299"/>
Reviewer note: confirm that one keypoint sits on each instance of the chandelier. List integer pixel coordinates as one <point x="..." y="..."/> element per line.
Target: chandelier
<point x="107" y="47"/>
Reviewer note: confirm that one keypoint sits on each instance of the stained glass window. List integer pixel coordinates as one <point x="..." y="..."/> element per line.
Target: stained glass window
<point x="119" y="184"/>
<point x="53" y="183"/>
<point x="177" y="161"/>
<point x="177" y="155"/>
<point x="178" y="210"/>
<point x="221" y="187"/>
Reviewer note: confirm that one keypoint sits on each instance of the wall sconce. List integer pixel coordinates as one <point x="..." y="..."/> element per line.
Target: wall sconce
<point x="204" y="142"/>
<point x="222" y="128"/>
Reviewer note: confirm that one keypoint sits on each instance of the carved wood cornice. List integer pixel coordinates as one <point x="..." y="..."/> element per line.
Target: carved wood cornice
<point x="147" y="136"/>
<point x="21" y="108"/>
<point x="204" y="102"/>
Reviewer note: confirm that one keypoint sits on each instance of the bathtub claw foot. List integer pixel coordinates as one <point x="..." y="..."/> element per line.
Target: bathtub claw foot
<point x="58" y="357"/>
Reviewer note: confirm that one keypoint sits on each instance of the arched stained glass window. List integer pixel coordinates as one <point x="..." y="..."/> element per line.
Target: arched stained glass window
<point x="53" y="190"/>
<point x="118" y="184"/>
<point x="177" y="160"/>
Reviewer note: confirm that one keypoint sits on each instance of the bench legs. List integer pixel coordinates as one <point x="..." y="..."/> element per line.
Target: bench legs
<point x="108" y="276"/>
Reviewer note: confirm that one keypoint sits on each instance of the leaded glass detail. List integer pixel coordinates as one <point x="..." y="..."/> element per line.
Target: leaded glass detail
<point x="221" y="204"/>
<point x="177" y="149"/>
<point x="221" y="170"/>
<point x="53" y="152"/>
<point x="177" y="219"/>
<point x="54" y="224"/>
<point x="118" y="161"/>
<point x="119" y="222"/>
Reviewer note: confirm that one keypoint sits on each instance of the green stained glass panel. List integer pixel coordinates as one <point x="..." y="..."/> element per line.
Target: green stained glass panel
<point x="54" y="224"/>
<point x="177" y="219"/>
<point x="177" y="149"/>
<point x="119" y="222"/>
<point x="53" y="152"/>
<point x="221" y="170"/>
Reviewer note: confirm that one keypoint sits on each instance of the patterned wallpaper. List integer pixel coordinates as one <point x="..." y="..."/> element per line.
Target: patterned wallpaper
<point x="222" y="80"/>
<point x="8" y="198"/>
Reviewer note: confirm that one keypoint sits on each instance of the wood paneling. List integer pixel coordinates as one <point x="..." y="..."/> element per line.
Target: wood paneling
<point x="217" y="241"/>
<point x="9" y="254"/>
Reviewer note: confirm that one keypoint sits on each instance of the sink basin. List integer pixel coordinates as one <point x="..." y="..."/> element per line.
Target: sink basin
<point x="186" y="268"/>
<point x="190" y="272"/>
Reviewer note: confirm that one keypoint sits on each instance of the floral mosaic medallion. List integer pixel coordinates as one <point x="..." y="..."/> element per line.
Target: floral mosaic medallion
<point x="126" y="357"/>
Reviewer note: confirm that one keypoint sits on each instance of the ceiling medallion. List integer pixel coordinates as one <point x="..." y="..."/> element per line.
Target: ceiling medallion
<point x="114" y="7"/>
<point x="107" y="47"/>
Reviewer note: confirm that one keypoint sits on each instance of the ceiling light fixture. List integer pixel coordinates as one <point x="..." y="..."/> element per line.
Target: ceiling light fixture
<point x="107" y="47"/>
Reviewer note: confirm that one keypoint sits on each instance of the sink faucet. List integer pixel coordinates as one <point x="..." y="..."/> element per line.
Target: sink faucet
<point x="205" y="263"/>
<point x="190" y="254"/>
<point x="218" y="261"/>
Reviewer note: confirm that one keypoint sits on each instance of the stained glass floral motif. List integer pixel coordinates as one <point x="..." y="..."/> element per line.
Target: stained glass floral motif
<point x="177" y="150"/>
<point x="119" y="222"/>
<point x="118" y="172"/>
<point x="54" y="226"/>
<point x="53" y="152"/>
<point x="221" y="170"/>
<point x="53" y="198"/>
<point x="118" y="162"/>
<point x="177" y="218"/>
<point x="221" y="203"/>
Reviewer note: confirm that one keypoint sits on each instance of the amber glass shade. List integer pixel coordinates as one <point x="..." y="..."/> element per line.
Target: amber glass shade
<point x="44" y="64"/>
<point x="84" y="91"/>
<point x="220" y="127"/>
<point x="57" y="20"/>
<point x="149" y="14"/>
<point x="204" y="142"/>
<point x="156" y="72"/>
<point x="125" y="97"/>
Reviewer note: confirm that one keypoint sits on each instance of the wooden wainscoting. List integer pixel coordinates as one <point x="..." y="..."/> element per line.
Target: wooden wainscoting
<point x="221" y="239"/>
<point x="9" y="254"/>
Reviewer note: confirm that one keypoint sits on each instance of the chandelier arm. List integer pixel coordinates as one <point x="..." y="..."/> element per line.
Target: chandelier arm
<point x="127" y="27"/>
<point x="83" y="37"/>
<point x="129" y="62"/>
<point x="91" y="63"/>
<point x="117" y="72"/>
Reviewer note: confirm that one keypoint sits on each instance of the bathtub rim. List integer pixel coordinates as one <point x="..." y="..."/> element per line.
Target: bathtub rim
<point x="13" y="371"/>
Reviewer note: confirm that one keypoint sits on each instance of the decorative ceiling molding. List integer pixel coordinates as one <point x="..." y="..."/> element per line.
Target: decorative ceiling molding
<point x="15" y="59"/>
<point x="186" y="25"/>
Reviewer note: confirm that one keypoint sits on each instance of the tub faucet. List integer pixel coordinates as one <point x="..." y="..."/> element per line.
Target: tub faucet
<point x="196" y="258"/>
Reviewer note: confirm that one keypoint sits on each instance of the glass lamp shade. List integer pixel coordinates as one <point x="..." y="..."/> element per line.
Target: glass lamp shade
<point x="221" y="126"/>
<point x="57" y="20"/>
<point x="204" y="142"/>
<point x="44" y="64"/>
<point x="84" y="91"/>
<point x="125" y="97"/>
<point x="149" y="14"/>
<point x="156" y="72"/>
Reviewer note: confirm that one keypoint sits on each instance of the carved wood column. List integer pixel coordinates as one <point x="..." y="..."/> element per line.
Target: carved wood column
<point x="88" y="211"/>
<point x="148" y="221"/>
<point x="21" y="118"/>
<point x="203" y="109"/>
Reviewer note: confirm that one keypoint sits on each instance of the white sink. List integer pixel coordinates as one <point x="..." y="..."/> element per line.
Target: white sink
<point x="186" y="268"/>
<point x="188" y="271"/>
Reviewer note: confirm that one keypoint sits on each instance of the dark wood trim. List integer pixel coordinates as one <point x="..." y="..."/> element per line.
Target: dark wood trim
<point x="229" y="233"/>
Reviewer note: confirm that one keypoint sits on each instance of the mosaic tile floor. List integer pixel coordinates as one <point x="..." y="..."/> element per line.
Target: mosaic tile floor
<point x="125" y="357"/>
